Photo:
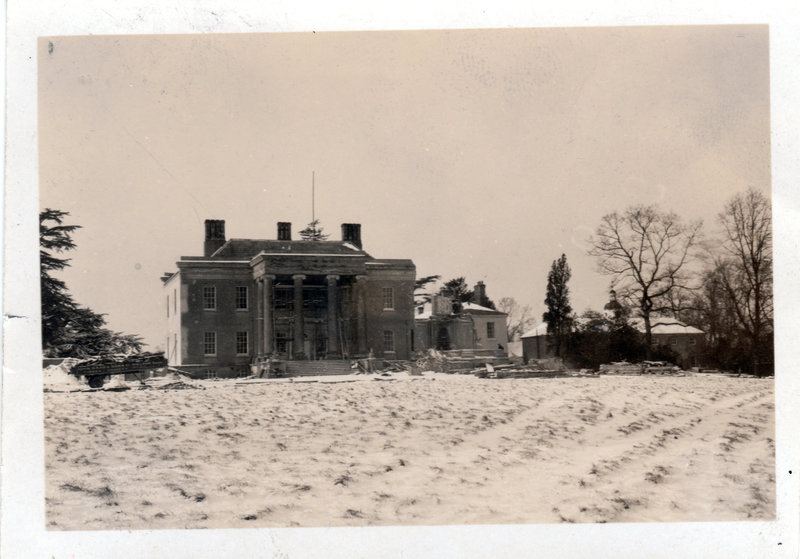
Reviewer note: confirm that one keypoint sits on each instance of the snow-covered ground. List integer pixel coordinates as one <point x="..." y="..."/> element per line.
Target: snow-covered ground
<point x="401" y="449"/>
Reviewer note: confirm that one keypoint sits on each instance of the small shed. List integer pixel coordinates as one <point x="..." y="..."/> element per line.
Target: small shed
<point x="537" y="344"/>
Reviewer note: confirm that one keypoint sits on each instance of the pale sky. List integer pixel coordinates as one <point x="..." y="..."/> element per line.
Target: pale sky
<point x="483" y="154"/>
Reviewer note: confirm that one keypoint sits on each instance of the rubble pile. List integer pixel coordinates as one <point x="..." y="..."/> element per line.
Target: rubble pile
<point x="643" y="368"/>
<point x="621" y="368"/>
<point x="532" y="370"/>
<point x="464" y="361"/>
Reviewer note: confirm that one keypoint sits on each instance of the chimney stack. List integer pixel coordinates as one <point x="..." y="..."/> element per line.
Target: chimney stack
<point x="284" y="231"/>
<point x="351" y="233"/>
<point x="215" y="236"/>
<point x="479" y="293"/>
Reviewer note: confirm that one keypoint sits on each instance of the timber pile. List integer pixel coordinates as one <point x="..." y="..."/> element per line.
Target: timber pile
<point x="621" y="368"/>
<point x="117" y="363"/>
<point x="659" y="368"/>
<point x="644" y="368"/>
<point x="516" y="371"/>
<point x="463" y="361"/>
<point x="395" y="366"/>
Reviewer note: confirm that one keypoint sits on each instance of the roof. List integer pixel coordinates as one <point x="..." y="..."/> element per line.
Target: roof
<point x="250" y="248"/>
<point x="540" y="330"/>
<point x="473" y="308"/>
<point x="467" y="308"/>
<point x="659" y="326"/>
<point x="665" y="326"/>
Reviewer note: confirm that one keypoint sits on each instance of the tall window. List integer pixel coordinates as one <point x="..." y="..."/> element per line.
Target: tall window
<point x="284" y="299"/>
<point x="209" y="343"/>
<point x="282" y="338"/>
<point x="388" y="298"/>
<point x="388" y="340"/>
<point x="242" y="345"/>
<point x="167" y="305"/>
<point x="210" y="297"/>
<point x="175" y="300"/>
<point x="490" y="330"/>
<point x="241" y="297"/>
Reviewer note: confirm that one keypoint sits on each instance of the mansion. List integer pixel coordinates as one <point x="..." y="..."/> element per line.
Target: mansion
<point x="246" y="301"/>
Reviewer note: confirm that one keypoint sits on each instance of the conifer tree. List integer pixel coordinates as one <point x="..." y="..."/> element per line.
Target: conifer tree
<point x="313" y="232"/>
<point x="69" y="330"/>
<point x="559" y="312"/>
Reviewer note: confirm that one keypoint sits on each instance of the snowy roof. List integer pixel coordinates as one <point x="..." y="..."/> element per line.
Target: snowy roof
<point x="472" y="307"/>
<point x="540" y="330"/>
<point x="665" y="326"/>
<point x="659" y="326"/>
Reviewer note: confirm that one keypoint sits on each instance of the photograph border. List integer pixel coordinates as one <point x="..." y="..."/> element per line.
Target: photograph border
<point x="22" y="470"/>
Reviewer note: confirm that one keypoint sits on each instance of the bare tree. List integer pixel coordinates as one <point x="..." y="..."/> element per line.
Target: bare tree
<point x="649" y="253"/>
<point x="745" y="265"/>
<point x="520" y="318"/>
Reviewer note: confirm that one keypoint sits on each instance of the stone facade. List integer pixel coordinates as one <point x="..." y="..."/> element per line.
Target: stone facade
<point x="246" y="300"/>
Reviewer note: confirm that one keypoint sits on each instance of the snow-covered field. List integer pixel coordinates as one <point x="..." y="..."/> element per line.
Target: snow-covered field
<point x="401" y="449"/>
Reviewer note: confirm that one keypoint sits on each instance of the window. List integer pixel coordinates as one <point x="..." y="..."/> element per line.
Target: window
<point x="490" y="330"/>
<point x="388" y="341"/>
<point x="284" y="299"/>
<point x="692" y="341"/>
<point x="209" y="298"/>
<point x="167" y="306"/>
<point x="241" y="297"/>
<point x="673" y="341"/>
<point x="242" y="345"/>
<point x="282" y="338"/>
<point x="388" y="298"/>
<point x="210" y="343"/>
<point x="175" y="300"/>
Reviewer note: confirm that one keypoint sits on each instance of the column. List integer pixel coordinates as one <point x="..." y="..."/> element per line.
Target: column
<point x="266" y="303"/>
<point x="361" y="287"/>
<point x="333" y="338"/>
<point x="298" y="316"/>
<point x="259" y="317"/>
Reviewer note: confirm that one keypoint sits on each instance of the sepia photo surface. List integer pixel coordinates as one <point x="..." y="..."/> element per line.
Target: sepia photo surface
<point x="257" y="213"/>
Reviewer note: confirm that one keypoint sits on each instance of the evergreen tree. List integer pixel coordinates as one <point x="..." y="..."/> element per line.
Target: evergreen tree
<point x="486" y="302"/>
<point x="420" y="284"/>
<point x="313" y="232"/>
<point x="457" y="289"/>
<point x="57" y="303"/>
<point x="69" y="330"/>
<point x="559" y="312"/>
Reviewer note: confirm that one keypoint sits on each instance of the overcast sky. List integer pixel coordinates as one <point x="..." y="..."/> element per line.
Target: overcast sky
<point x="483" y="154"/>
